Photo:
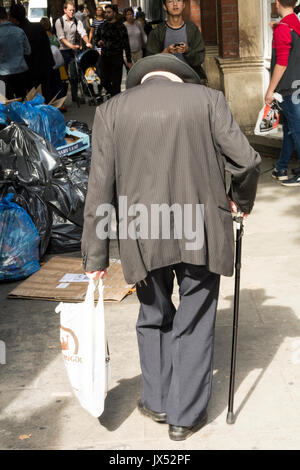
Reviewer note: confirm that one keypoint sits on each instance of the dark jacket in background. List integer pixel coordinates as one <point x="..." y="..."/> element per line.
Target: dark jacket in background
<point x="40" y="61"/>
<point x="196" y="54"/>
<point x="115" y="38"/>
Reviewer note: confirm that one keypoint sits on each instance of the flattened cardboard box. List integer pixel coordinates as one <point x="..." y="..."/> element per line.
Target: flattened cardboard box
<point x="44" y="283"/>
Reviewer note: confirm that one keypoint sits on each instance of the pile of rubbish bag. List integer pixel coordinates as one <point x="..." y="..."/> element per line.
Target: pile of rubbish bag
<point x="19" y="242"/>
<point x="45" y="120"/>
<point x="48" y="188"/>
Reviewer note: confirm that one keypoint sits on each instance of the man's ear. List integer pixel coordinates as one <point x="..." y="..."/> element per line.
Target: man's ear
<point x="164" y="7"/>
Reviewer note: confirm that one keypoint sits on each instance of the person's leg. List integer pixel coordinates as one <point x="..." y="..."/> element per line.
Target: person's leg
<point x="56" y="84"/>
<point x="292" y="113"/>
<point x="154" y="332"/>
<point x="192" y="345"/>
<point x="16" y="85"/>
<point x="105" y="69"/>
<point x="46" y="83"/>
<point x="73" y="79"/>
<point x="287" y="147"/>
<point x="116" y="74"/>
<point x="9" y="92"/>
<point x="69" y="59"/>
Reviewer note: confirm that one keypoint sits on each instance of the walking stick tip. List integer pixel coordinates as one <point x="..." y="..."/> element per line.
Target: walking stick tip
<point x="230" y="418"/>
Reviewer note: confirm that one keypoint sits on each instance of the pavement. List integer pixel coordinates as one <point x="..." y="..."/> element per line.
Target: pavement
<point x="39" y="411"/>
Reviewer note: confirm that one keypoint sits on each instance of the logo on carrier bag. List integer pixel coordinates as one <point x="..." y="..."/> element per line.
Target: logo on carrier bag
<point x="69" y="345"/>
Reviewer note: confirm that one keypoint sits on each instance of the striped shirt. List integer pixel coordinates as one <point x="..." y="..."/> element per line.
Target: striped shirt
<point x="96" y="23"/>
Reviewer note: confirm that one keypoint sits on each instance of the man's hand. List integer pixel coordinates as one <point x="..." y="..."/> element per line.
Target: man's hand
<point x="75" y="46"/>
<point x="183" y="48"/>
<point x="96" y="275"/>
<point x="269" y="98"/>
<point x="89" y="45"/>
<point x="172" y="49"/>
<point x="234" y="208"/>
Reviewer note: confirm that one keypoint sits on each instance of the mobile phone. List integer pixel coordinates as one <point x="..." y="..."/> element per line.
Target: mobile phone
<point x="177" y="44"/>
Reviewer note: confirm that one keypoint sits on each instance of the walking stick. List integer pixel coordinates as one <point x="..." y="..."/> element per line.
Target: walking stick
<point x="238" y="218"/>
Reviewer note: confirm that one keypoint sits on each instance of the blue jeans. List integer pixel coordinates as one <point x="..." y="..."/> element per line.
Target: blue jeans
<point x="291" y="132"/>
<point x="69" y="58"/>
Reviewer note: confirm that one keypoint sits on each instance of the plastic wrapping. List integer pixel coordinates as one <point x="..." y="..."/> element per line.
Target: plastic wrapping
<point x="81" y="126"/>
<point x="3" y="118"/>
<point x="31" y="200"/>
<point x="65" y="236"/>
<point x="45" y="120"/>
<point x="26" y="156"/>
<point x="51" y="189"/>
<point x="268" y="120"/>
<point x="19" y="242"/>
<point x="78" y="168"/>
<point x="66" y="198"/>
<point x="67" y="204"/>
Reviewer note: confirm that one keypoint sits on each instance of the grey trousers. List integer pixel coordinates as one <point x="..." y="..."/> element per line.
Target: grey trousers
<point x="176" y="346"/>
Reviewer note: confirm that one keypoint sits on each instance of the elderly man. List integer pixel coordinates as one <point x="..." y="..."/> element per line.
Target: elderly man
<point x="67" y="30"/>
<point x="178" y="37"/>
<point x="163" y="167"/>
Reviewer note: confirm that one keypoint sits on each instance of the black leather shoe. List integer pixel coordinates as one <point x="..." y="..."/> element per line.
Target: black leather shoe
<point x="158" y="417"/>
<point x="180" y="433"/>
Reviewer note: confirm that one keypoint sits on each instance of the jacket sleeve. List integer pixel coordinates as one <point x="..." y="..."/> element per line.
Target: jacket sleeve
<point x="154" y="45"/>
<point x="241" y="160"/>
<point x="143" y="34"/>
<point x="125" y="42"/>
<point x="100" y="195"/>
<point x="26" y="45"/>
<point x="196" y="53"/>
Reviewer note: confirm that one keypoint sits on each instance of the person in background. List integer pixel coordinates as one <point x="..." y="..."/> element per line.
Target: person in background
<point x="112" y="37"/>
<point x="40" y="62"/>
<point x="97" y="21"/>
<point x="285" y="72"/>
<point x="56" y="85"/>
<point x="178" y="37"/>
<point x="136" y="34"/>
<point x="67" y="29"/>
<point x="14" y="46"/>
<point x="147" y="27"/>
<point x="118" y="16"/>
<point x="46" y="23"/>
<point x="139" y="13"/>
<point x="82" y="15"/>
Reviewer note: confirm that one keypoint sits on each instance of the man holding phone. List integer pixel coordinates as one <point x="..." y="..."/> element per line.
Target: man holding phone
<point x="178" y="37"/>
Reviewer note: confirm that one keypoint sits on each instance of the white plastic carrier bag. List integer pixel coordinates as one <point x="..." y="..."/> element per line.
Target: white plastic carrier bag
<point x="58" y="57"/>
<point x="85" y="349"/>
<point x="268" y="120"/>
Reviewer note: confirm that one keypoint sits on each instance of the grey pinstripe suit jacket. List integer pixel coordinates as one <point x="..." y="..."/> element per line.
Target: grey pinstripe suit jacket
<point x="167" y="142"/>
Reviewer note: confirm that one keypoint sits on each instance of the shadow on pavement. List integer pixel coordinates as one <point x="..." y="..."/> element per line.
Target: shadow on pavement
<point x="257" y="345"/>
<point x="120" y="402"/>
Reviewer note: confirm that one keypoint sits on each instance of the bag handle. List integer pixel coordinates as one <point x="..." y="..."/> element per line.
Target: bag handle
<point x="93" y="285"/>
